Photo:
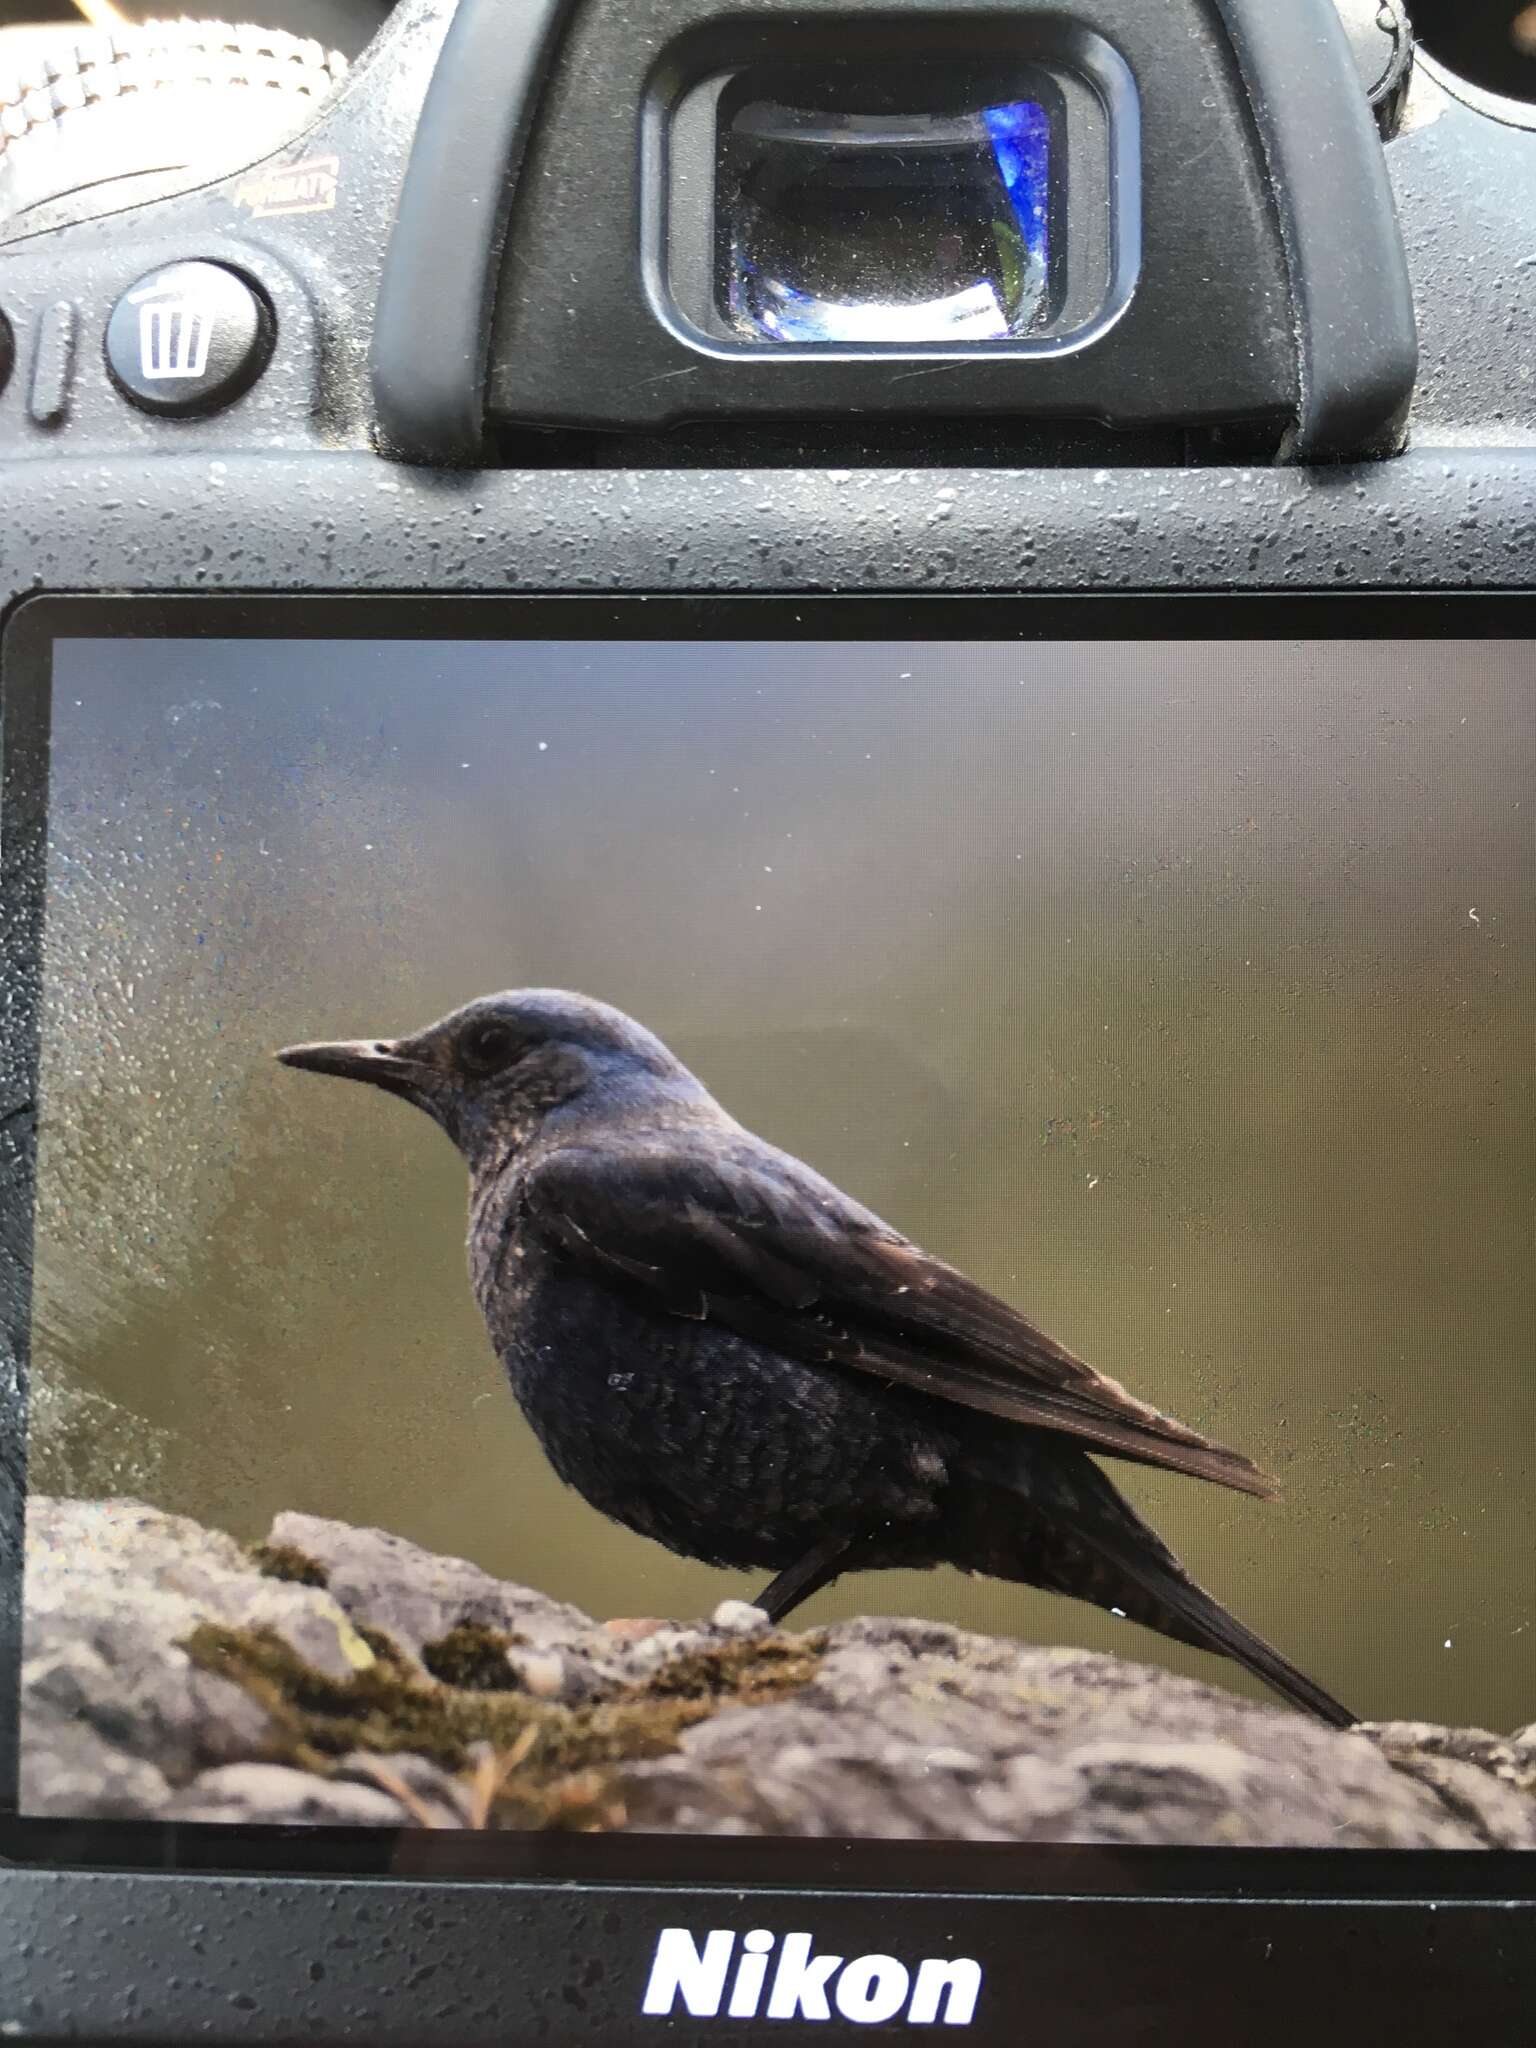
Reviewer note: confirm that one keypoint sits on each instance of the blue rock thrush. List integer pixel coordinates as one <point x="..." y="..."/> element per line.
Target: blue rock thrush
<point x="720" y="1349"/>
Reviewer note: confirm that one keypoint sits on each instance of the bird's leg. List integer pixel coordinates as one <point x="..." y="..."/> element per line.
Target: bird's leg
<point x="819" y="1567"/>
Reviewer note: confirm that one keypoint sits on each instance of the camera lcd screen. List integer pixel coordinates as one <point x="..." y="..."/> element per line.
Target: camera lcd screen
<point x="1003" y="1130"/>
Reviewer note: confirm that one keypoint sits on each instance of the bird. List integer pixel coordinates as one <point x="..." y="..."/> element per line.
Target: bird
<point x="721" y="1350"/>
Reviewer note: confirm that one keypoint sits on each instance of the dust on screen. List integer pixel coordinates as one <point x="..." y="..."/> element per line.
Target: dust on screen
<point x="1176" y="995"/>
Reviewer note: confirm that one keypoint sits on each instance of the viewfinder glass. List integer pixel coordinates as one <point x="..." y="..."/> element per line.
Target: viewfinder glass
<point x="885" y="227"/>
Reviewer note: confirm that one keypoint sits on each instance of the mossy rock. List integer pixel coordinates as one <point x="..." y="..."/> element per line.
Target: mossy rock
<point x="287" y="1561"/>
<point x="564" y="1759"/>
<point x="473" y="1656"/>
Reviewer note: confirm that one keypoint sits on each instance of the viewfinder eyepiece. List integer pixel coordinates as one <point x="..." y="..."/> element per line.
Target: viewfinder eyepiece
<point x="972" y="189"/>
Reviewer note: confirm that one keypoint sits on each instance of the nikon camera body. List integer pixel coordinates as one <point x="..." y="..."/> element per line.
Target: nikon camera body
<point x="698" y="338"/>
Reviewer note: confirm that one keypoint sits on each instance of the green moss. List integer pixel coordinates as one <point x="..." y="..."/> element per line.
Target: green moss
<point x="562" y="1761"/>
<point x="386" y="1650"/>
<point x="473" y="1657"/>
<point x="287" y="1561"/>
<point x="748" y="1672"/>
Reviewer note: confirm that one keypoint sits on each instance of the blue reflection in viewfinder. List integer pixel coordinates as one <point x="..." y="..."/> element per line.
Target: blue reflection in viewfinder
<point x="1020" y="132"/>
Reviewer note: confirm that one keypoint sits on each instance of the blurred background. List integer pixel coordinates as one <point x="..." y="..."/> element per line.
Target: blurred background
<point x="1490" y="42"/>
<point x="1180" y="993"/>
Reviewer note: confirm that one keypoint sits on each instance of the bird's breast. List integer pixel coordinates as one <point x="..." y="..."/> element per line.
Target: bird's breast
<point x="713" y="1445"/>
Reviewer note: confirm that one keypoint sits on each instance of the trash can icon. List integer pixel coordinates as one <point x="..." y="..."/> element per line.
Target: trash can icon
<point x="175" y="331"/>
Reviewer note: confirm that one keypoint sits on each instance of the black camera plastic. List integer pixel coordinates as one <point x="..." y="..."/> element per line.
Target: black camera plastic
<point x="418" y="301"/>
<point x="1270" y="297"/>
<point x="1271" y="313"/>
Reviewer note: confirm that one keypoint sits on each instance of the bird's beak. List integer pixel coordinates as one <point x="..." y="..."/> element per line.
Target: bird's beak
<point x="378" y="1060"/>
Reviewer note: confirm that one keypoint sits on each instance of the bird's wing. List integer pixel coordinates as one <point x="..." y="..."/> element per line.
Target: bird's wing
<point x="751" y="1239"/>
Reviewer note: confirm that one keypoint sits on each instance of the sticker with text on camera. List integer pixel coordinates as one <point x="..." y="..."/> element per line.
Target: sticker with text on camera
<point x="308" y="186"/>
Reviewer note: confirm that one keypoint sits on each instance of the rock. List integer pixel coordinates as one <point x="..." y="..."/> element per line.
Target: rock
<point x="1488" y="1780"/>
<point x="1511" y="1759"/>
<point x="112" y="1590"/>
<point x="364" y="1791"/>
<point x="416" y="1597"/>
<point x="69" y="1769"/>
<point x="739" y="1618"/>
<point x="168" y="1675"/>
<point x="913" y="1729"/>
<point x="270" y="1795"/>
<point x="542" y="1672"/>
<point x="424" y="1793"/>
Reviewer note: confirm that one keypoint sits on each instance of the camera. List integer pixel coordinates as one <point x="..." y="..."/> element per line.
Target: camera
<point x="879" y="654"/>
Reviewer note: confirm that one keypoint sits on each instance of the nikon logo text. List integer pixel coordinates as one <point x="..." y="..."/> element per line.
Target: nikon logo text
<point x="749" y="1982"/>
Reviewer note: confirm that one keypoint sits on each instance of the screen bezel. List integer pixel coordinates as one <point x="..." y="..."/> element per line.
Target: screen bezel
<point x="1045" y="1870"/>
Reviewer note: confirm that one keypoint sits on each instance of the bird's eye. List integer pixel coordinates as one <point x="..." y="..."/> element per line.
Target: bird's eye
<point x="486" y="1047"/>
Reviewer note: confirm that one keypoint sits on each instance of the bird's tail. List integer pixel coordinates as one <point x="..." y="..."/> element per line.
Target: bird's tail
<point x="1170" y="1601"/>
<point x="1067" y="1528"/>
